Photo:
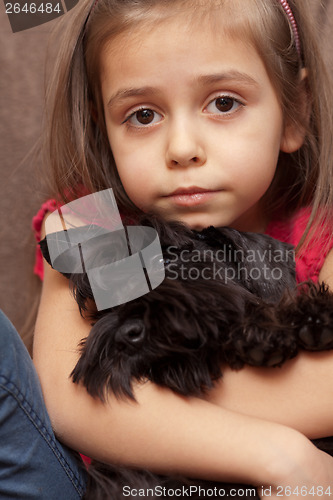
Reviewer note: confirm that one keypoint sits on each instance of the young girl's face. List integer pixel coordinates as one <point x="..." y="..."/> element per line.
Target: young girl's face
<point x="192" y="112"/>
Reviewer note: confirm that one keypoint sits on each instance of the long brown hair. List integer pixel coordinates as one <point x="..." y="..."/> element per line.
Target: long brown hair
<point x="76" y="147"/>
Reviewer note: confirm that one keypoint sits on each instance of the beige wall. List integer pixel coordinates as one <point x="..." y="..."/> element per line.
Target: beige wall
<point x="21" y="97"/>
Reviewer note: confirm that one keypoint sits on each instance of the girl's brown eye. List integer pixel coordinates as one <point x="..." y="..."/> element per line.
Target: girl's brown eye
<point x="145" y="116"/>
<point x="224" y="104"/>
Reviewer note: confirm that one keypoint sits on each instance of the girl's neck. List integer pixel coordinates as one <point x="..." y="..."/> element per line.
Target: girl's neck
<point x="254" y="222"/>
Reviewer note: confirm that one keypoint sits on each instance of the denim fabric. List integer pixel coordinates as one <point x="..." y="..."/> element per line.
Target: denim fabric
<point x="33" y="464"/>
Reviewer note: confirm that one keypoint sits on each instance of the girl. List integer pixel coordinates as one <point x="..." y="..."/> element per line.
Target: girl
<point x="212" y="113"/>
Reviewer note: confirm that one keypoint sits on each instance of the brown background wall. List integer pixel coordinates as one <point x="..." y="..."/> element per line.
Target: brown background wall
<point x="21" y="98"/>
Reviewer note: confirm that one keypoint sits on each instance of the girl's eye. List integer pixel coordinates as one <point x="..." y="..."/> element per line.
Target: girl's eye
<point x="143" y="117"/>
<point x="223" y="105"/>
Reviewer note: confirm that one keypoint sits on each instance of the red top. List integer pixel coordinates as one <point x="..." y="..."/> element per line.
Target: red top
<point x="308" y="265"/>
<point x="309" y="262"/>
<point x="37" y="221"/>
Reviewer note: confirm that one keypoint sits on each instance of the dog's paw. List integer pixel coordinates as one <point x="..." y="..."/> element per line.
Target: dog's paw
<point x="315" y="335"/>
<point x="254" y="355"/>
<point x="313" y="318"/>
<point x="269" y="355"/>
<point x="258" y="356"/>
<point x="263" y="341"/>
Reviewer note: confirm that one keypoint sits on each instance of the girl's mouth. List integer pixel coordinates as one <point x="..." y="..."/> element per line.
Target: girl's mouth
<point x="191" y="196"/>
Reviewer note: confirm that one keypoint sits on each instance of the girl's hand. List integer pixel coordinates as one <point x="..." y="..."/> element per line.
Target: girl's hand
<point x="311" y="476"/>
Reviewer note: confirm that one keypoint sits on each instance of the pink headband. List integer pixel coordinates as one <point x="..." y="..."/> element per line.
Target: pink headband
<point x="292" y="21"/>
<point x="286" y="8"/>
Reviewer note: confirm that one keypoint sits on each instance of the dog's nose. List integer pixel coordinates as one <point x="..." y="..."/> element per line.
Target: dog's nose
<point x="131" y="332"/>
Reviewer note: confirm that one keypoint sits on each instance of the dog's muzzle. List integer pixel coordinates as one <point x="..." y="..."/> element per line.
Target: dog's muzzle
<point x="131" y="333"/>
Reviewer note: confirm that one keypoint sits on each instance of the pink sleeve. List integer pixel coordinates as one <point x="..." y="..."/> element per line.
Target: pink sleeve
<point x="37" y="221"/>
<point x="310" y="261"/>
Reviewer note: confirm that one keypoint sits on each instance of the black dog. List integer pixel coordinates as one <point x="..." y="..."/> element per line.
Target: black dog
<point x="228" y="298"/>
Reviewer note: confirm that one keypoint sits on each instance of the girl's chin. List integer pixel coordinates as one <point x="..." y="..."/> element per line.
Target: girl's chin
<point x="195" y="221"/>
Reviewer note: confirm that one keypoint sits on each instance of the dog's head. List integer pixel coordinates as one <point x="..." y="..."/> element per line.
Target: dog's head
<point x="171" y="336"/>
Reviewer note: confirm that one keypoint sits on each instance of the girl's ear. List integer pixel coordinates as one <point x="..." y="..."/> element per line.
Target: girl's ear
<point x="294" y="132"/>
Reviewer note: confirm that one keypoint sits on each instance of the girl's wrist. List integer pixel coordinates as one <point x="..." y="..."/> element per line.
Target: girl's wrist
<point x="296" y="462"/>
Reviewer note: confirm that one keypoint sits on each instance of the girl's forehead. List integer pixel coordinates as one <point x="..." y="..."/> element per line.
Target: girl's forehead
<point x="247" y="22"/>
<point x="215" y="17"/>
<point x="168" y="54"/>
<point x="192" y="14"/>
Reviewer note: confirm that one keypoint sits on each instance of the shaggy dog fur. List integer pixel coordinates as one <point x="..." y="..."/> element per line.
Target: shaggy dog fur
<point x="232" y="310"/>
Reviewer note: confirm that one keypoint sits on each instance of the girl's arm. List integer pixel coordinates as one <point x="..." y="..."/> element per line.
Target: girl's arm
<point x="299" y="395"/>
<point x="164" y="431"/>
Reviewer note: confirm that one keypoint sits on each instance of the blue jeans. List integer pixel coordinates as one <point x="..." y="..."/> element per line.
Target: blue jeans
<point x="33" y="464"/>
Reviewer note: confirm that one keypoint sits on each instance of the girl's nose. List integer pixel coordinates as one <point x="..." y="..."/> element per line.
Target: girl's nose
<point x="185" y="147"/>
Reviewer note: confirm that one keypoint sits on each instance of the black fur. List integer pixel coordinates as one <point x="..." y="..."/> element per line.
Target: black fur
<point x="182" y="333"/>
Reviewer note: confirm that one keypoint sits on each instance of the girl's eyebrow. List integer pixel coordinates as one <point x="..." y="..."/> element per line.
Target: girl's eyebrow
<point x="122" y="94"/>
<point x="229" y="76"/>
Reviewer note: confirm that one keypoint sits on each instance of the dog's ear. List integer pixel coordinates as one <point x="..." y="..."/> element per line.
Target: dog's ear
<point x="265" y="266"/>
<point x="45" y="251"/>
<point x="46" y="254"/>
<point x="99" y="368"/>
<point x="78" y="282"/>
<point x="70" y="258"/>
<point x="187" y="376"/>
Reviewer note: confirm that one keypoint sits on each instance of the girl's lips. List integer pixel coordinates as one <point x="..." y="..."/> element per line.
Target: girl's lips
<point x="190" y="197"/>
